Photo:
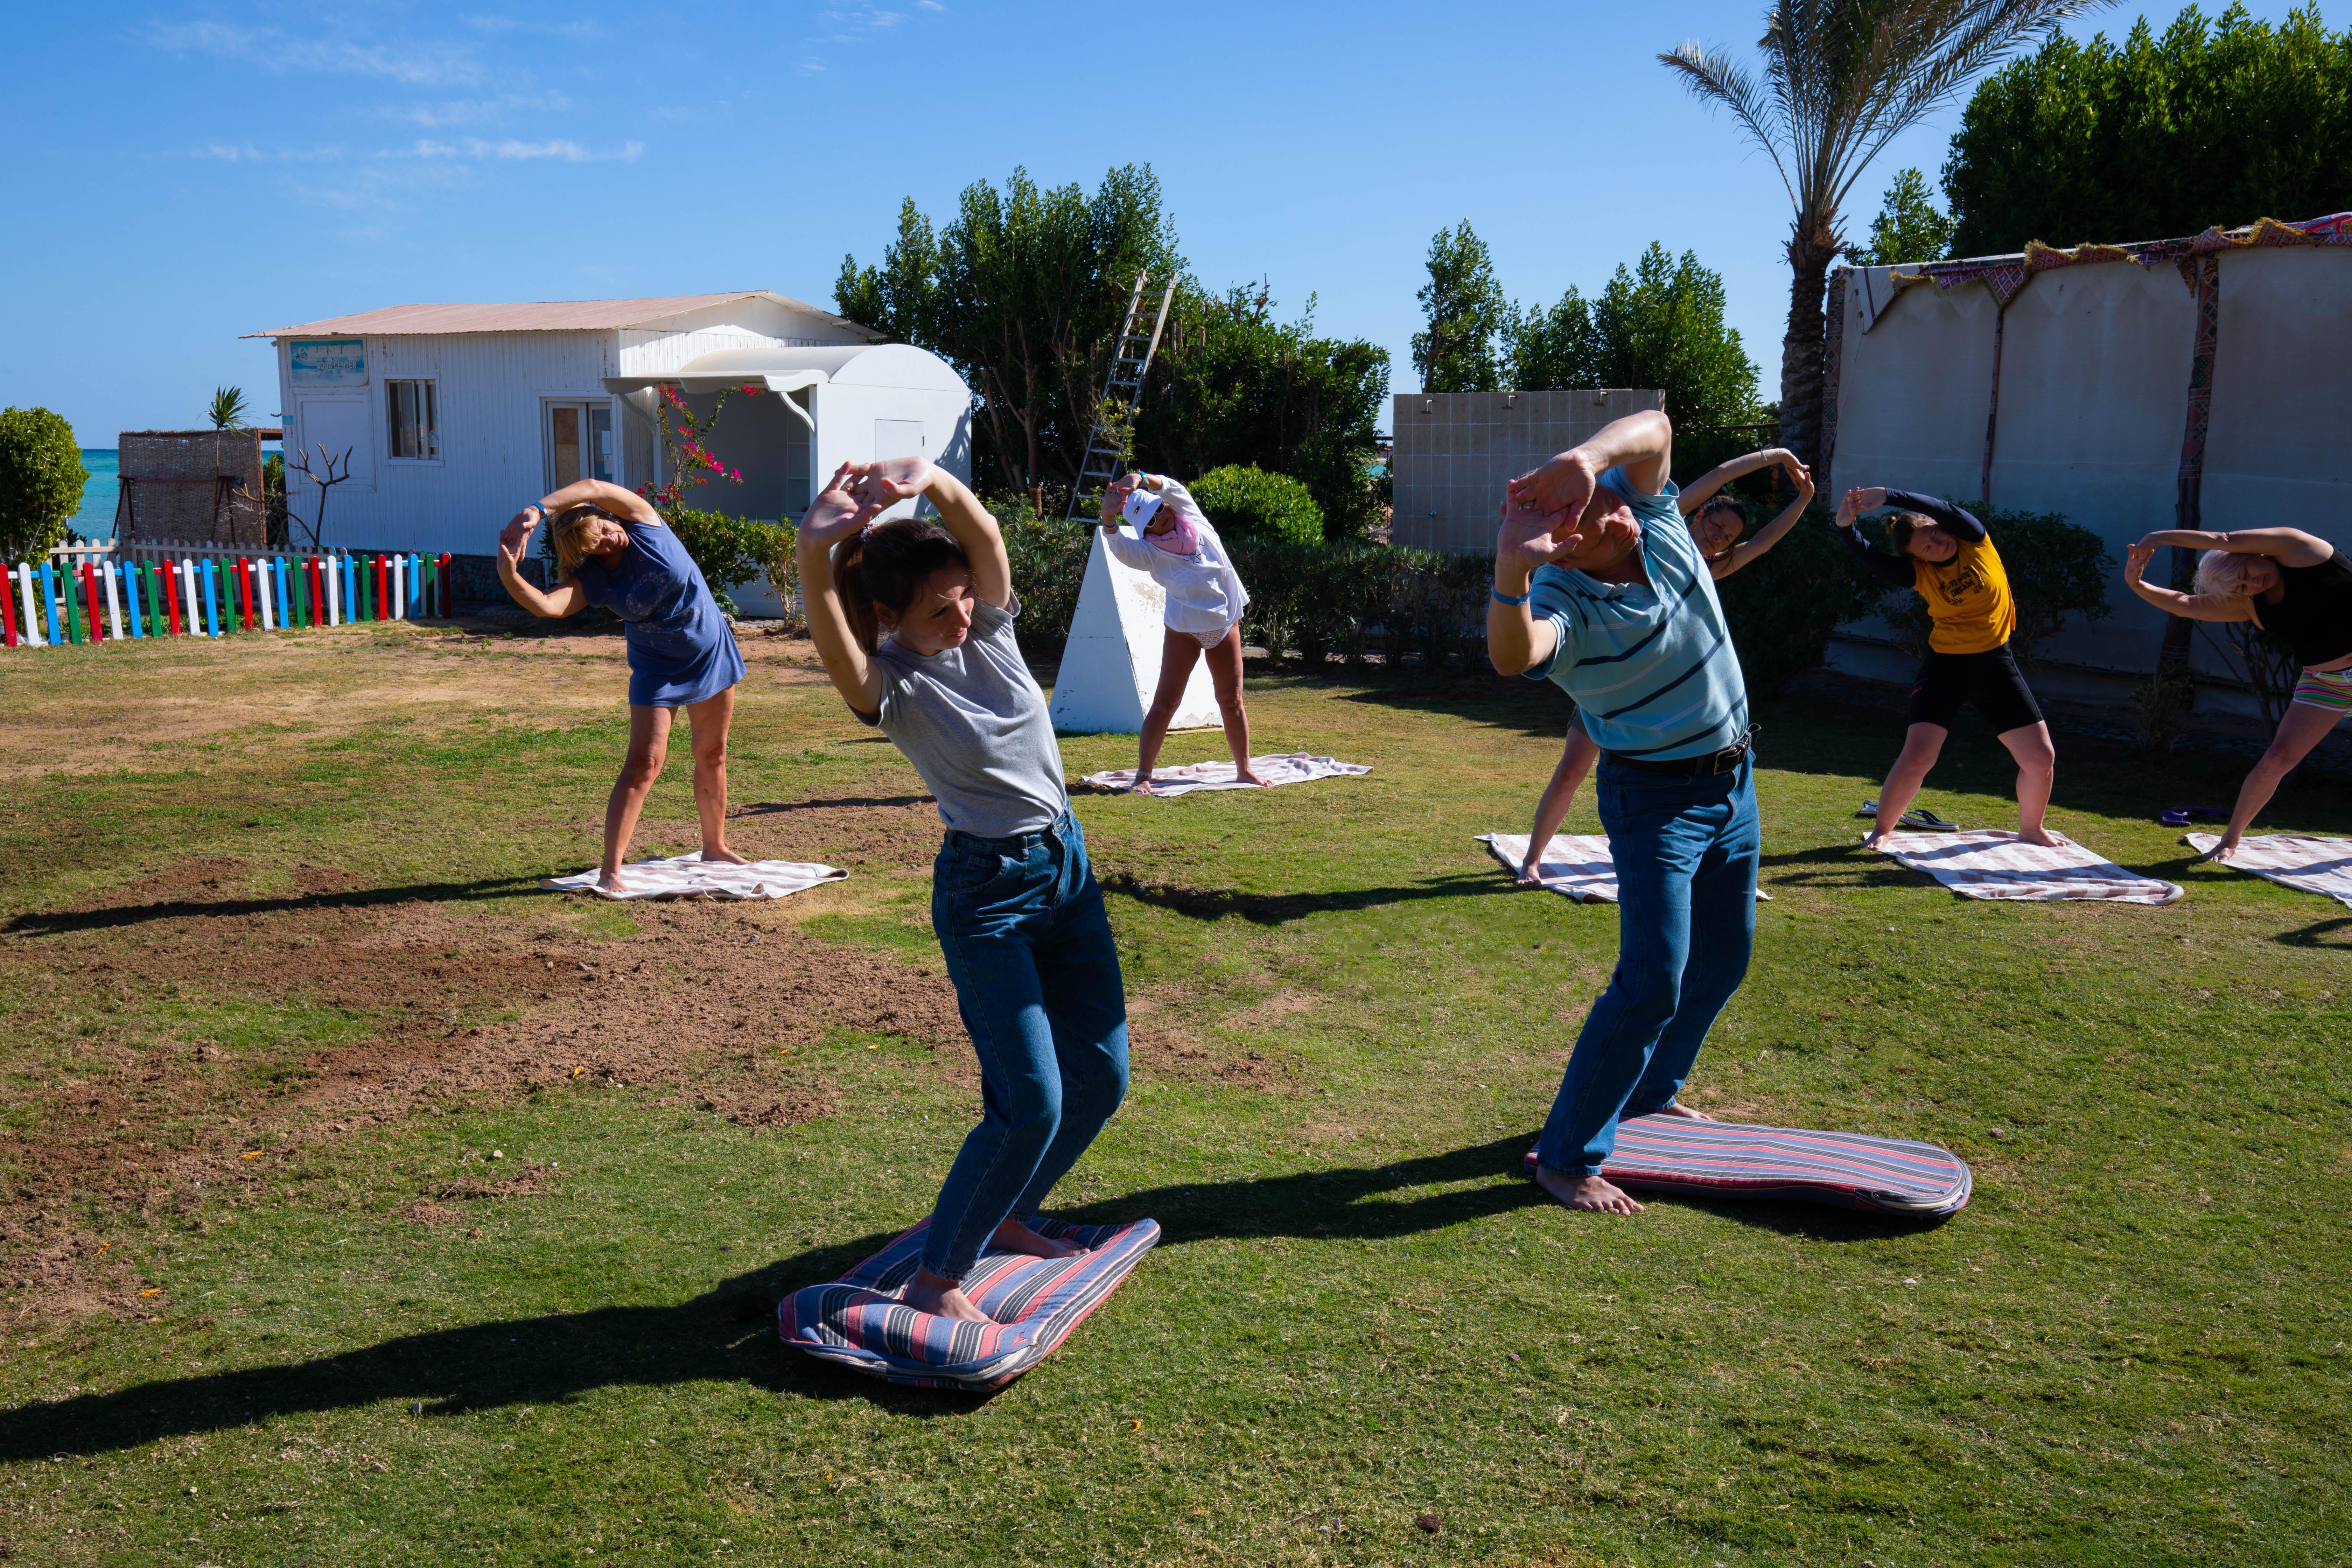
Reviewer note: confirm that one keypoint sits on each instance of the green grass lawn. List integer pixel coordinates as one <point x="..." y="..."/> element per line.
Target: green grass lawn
<point x="526" y="1319"/>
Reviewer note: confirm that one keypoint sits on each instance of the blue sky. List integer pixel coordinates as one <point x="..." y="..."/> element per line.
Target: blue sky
<point x="187" y="174"/>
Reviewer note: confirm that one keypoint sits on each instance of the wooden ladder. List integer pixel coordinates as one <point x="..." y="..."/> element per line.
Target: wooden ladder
<point x="1124" y="385"/>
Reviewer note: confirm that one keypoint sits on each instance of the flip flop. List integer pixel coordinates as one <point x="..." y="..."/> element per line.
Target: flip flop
<point x="2182" y="815"/>
<point x="1869" y="808"/>
<point x="1926" y="821"/>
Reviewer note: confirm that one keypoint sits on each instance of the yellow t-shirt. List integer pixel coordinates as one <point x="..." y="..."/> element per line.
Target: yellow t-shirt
<point x="1969" y="598"/>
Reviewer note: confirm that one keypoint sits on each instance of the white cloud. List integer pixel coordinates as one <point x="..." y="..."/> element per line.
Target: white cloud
<point x="452" y="112"/>
<point x="558" y="147"/>
<point x="413" y="64"/>
<point x="574" y="32"/>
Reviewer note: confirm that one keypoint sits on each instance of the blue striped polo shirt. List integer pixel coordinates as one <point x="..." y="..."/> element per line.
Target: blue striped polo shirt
<point x="1650" y="664"/>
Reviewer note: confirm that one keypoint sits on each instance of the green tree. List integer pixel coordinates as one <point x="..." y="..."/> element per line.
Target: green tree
<point x="41" y="477"/>
<point x="1657" y="324"/>
<point x="1465" y="312"/>
<point x="1840" y="79"/>
<point x="226" y="410"/>
<point x="1908" y="227"/>
<point x="1234" y="386"/>
<point x="1024" y="291"/>
<point x="2216" y="124"/>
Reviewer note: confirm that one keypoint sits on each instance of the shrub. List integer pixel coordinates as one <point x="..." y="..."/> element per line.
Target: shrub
<point x="1250" y="504"/>
<point x="1782" y="608"/>
<point x="2055" y="568"/>
<point x="732" y="551"/>
<point x="41" y="477"/>
<point x="1049" y="565"/>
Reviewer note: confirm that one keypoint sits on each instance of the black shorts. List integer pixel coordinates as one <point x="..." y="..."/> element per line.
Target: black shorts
<point x="1949" y="681"/>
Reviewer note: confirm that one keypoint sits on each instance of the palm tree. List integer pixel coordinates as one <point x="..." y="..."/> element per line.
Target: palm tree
<point x="226" y="410"/>
<point x="1842" y="79"/>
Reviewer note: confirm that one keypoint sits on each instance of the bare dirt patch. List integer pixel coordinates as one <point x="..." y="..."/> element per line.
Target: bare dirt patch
<point x="150" y="992"/>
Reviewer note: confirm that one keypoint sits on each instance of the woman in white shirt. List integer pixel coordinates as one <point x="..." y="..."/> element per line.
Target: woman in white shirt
<point x="1206" y="599"/>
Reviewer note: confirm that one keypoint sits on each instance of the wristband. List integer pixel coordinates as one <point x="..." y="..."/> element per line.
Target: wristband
<point x="1502" y="598"/>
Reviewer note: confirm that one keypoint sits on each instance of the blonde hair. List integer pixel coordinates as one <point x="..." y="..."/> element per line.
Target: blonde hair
<point x="568" y="530"/>
<point x="2224" y="571"/>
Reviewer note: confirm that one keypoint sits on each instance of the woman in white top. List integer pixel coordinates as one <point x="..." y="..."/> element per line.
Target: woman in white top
<point x="1206" y="599"/>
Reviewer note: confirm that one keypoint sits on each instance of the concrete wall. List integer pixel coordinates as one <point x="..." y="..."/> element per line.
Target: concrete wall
<point x="1454" y="452"/>
<point x="2094" y="371"/>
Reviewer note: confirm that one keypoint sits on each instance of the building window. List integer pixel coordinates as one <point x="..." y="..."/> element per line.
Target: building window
<point x="415" y="427"/>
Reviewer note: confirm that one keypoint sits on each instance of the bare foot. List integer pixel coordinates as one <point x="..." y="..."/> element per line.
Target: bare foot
<point x="610" y="881"/>
<point x="1688" y="1114"/>
<point x="1530" y="876"/>
<point x="1143" y="785"/>
<point x="2221" y="851"/>
<point x="1015" y="1237"/>
<point x="723" y="858"/>
<point x="1591" y="1195"/>
<point x="1243" y="774"/>
<point x="927" y="1292"/>
<point x="2042" y="836"/>
<point x="1875" y="840"/>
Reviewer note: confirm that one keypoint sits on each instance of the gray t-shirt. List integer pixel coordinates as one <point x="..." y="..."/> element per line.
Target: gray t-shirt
<point x="974" y="723"/>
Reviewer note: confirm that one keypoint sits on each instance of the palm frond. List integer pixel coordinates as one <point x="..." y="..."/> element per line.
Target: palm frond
<point x="1713" y="77"/>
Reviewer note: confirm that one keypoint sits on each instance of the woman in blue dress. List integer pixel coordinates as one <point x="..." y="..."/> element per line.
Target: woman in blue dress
<point x="612" y="551"/>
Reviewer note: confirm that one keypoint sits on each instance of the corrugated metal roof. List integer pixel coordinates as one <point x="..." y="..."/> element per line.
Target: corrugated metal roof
<point x="553" y="316"/>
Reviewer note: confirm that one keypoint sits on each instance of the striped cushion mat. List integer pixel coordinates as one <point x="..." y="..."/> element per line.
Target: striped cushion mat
<point x="1738" y="1160"/>
<point x="858" y="1321"/>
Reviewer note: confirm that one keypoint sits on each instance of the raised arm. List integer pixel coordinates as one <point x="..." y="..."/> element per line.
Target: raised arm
<point x="2288" y="546"/>
<point x="1770" y="534"/>
<point x="840" y="510"/>
<point x="1126" y="547"/>
<point x="960" y="510"/>
<point x="566" y="598"/>
<point x="1894" y="571"/>
<point x="1957" y="521"/>
<point x="1701" y="491"/>
<point x="1576" y="760"/>
<point x="2189" y="607"/>
<point x="1642" y="444"/>
<point x="621" y="503"/>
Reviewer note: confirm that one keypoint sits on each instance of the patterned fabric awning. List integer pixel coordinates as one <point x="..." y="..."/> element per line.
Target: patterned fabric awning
<point x="2007" y="276"/>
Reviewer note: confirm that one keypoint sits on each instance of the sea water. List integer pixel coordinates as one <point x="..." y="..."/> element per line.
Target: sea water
<point x="95" y="520"/>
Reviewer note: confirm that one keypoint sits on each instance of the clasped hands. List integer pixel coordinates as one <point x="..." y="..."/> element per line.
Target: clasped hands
<point x="858" y="493"/>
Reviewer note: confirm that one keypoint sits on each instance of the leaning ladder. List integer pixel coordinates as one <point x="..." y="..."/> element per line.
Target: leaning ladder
<point x="1138" y="340"/>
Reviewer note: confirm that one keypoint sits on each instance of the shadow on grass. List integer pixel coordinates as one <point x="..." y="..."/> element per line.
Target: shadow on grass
<point x="771" y="809"/>
<point x="1838" y="866"/>
<point x="723" y="1335"/>
<point x="57" y="923"/>
<point x="1277" y="909"/>
<point x="2312" y="935"/>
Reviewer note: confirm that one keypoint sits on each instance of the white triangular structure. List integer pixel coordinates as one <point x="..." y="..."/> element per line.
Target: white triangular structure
<point x="1111" y="666"/>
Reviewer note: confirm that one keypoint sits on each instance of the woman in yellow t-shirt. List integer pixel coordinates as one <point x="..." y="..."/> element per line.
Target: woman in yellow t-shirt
<point x="1942" y="551"/>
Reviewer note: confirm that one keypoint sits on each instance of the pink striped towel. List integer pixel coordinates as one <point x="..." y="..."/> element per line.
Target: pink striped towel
<point x="1988" y="863"/>
<point x="2322" y="866"/>
<point x="1575" y="865"/>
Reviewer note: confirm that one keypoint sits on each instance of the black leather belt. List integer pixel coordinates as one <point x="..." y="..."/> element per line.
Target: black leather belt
<point x="1721" y="761"/>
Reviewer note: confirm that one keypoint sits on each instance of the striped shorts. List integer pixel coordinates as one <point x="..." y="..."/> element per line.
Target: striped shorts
<point x="2328" y="689"/>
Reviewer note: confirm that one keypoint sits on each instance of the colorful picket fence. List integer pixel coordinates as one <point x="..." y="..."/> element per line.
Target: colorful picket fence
<point x="90" y="596"/>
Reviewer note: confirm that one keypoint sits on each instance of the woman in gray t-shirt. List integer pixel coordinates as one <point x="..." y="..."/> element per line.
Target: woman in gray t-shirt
<point x="914" y="621"/>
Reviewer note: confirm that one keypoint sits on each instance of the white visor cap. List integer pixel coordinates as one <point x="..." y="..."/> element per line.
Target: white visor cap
<point x="1142" y="507"/>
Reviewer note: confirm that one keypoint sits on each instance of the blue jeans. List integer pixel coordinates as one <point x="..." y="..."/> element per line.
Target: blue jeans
<point x="1020" y="922"/>
<point x="1686" y="851"/>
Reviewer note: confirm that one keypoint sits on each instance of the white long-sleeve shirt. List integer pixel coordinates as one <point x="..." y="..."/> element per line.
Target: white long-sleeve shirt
<point x="1204" y="593"/>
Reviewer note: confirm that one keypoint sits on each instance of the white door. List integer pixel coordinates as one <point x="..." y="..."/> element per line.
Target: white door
<point x="340" y="425"/>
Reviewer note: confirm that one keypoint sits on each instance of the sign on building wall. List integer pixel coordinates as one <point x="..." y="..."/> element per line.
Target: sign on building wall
<point x="328" y="362"/>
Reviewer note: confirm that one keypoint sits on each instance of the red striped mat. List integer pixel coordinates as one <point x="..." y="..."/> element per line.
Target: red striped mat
<point x="858" y="1321"/>
<point x="1739" y="1160"/>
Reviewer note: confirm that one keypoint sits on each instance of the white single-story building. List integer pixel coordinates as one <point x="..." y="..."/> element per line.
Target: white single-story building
<point x="457" y="416"/>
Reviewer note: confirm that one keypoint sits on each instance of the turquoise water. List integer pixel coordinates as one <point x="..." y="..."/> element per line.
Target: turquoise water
<point x="96" y="518"/>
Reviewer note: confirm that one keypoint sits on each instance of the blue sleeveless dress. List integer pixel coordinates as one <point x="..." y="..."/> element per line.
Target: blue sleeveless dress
<point x="681" y="649"/>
